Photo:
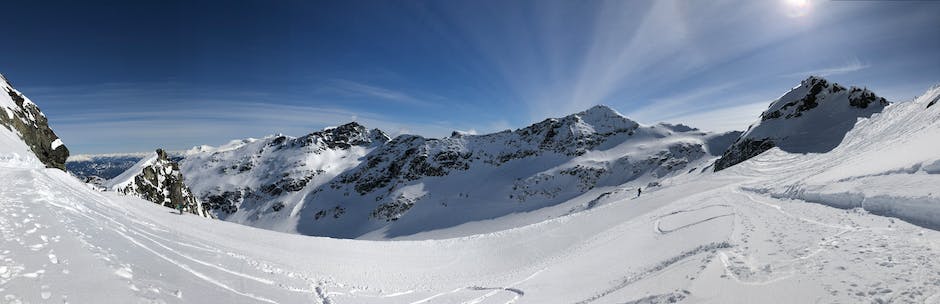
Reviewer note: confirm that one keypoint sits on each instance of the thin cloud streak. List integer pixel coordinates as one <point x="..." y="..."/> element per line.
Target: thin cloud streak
<point x="734" y="118"/>
<point x="851" y="66"/>
<point x="357" y="89"/>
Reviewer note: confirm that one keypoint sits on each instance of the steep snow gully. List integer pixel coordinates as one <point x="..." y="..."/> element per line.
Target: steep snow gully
<point x="745" y="234"/>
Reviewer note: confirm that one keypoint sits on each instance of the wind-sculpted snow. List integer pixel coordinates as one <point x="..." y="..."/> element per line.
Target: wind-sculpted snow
<point x="887" y="165"/>
<point x="811" y="118"/>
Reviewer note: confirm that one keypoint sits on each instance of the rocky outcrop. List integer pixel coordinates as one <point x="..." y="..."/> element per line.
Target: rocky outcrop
<point x="811" y="118"/>
<point x="21" y="116"/>
<point x="160" y="181"/>
<point x="743" y="150"/>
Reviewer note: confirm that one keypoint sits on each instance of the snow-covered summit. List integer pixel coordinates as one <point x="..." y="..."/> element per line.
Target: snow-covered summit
<point x="414" y="184"/>
<point x="813" y="117"/>
<point x="22" y="118"/>
<point x="249" y="181"/>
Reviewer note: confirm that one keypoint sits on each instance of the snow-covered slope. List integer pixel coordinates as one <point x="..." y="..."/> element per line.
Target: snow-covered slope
<point x="888" y="164"/>
<point x="258" y="182"/>
<point x="705" y="240"/>
<point x="20" y="116"/>
<point x="742" y="235"/>
<point x="813" y="117"/>
<point x="158" y="179"/>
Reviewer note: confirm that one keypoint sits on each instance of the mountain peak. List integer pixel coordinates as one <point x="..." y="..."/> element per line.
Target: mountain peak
<point x="810" y="118"/>
<point x="349" y="134"/>
<point x="812" y="79"/>
<point x="601" y="119"/>
<point x="600" y="110"/>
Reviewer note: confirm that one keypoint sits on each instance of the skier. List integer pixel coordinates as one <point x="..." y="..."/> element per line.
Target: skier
<point x="639" y="191"/>
<point x="180" y="208"/>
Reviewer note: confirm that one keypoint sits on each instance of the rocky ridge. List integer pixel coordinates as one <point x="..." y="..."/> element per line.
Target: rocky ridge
<point x="21" y="116"/>
<point x="159" y="180"/>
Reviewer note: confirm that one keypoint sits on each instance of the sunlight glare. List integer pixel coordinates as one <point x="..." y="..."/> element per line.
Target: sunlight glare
<point x="798" y="8"/>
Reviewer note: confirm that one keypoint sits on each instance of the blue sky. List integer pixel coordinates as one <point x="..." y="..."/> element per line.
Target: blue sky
<point x="125" y="76"/>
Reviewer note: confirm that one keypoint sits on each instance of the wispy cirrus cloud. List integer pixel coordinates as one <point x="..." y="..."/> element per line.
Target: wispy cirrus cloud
<point x="362" y="90"/>
<point x="662" y="108"/>
<point x="849" y="66"/>
<point x="136" y="117"/>
<point x="731" y="118"/>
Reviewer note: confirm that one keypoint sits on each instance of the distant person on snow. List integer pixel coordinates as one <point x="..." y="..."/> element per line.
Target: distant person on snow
<point x="180" y="208"/>
<point x="639" y="191"/>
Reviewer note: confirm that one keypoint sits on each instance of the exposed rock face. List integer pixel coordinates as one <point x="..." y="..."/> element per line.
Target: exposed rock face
<point x="161" y="182"/>
<point x="811" y="118"/>
<point x="254" y="178"/>
<point x="743" y="150"/>
<point x="21" y="116"/>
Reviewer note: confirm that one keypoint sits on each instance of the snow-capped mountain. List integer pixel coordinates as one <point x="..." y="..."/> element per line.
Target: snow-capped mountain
<point x="259" y="181"/>
<point x="813" y="117"/>
<point x="156" y="178"/>
<point x="888" y="164"/>
<point x="22" y="117"/>
<point x="349" y="181"/>
<point x="746" y="234"/>
<point x="415" y="184"/>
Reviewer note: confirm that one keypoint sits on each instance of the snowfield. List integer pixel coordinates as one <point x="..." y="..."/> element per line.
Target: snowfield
<point x="707" y="240"/>
<point x="781" y="227"/>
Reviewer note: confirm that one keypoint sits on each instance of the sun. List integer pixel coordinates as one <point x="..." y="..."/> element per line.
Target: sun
<point x="798" y="8"/>
<point x="798" y="3"/>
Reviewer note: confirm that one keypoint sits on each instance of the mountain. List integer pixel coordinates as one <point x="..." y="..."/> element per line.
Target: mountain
<point x="811" y="118"/>
<point x="757" y="230"/>
<point x="21" y="116"/>
<point x="350" y="181"/>
<point x="887" y="165"/>
<point x="156" y="178"/>
<point x="251" y="181"/>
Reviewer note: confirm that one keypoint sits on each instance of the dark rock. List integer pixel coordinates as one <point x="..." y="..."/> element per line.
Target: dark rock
<point x="162" y="183"/>
<point x="743" y="150"/>
<point x="31" y="124"/>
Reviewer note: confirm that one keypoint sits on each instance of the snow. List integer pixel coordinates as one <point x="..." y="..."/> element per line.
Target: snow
<point x="748" y="234"/>
<point x="818" y="129"/>
<point x="9" y="106"/>
<point x="14" y="153"/>
<point x="56" y="143"/>
<point x="219" y="169"/>
<point x="886" y="165"/>
<point x="713" y="242"/>
<point x="124" y="179"/>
